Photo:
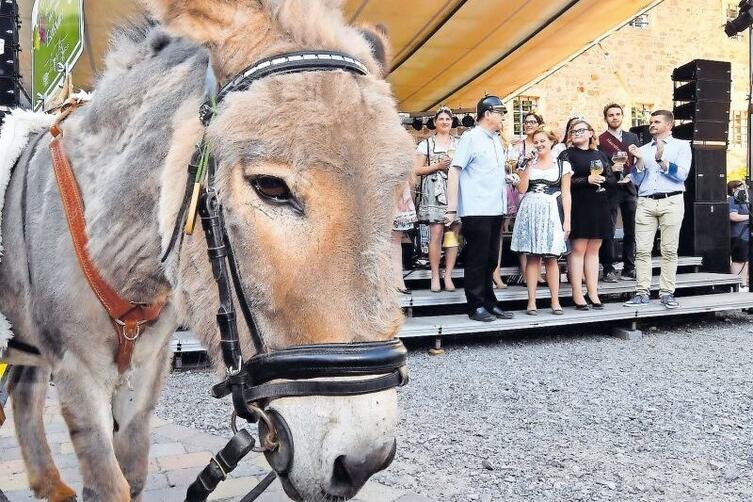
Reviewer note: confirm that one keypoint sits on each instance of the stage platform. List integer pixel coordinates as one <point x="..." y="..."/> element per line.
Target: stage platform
<point x="434" y="315"/>
<point x="459" y="324"/>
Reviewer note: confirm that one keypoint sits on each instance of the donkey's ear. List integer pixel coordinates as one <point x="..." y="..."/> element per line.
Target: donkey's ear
<point x="202" y="20"/>
<point x="220" y="25"/>
<point x="377" y="38"/>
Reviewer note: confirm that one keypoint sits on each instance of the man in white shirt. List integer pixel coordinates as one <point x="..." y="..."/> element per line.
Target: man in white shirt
<point x="661" y="169"/>
<point x="476" y="193"/>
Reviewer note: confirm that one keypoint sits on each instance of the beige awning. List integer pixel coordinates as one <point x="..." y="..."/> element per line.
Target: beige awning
<point x="453" y="51"/>
<point x="445" y="51"/>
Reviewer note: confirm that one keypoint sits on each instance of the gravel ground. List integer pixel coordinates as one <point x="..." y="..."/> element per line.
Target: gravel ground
<point x="563" y="416"/>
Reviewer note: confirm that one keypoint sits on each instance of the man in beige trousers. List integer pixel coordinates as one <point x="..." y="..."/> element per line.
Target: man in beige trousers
<point x="660" y="171"/>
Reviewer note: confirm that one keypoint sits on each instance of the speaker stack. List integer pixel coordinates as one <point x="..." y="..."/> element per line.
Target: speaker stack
<point x="702" y="97"/>
<point x="10" y="87"/>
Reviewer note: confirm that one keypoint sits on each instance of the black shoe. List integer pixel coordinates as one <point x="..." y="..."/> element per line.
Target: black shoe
<point x="482" y="315"/>
<point x="499" y="313"/>
<point x="628" y="275"/>
<point x="585" y="306"/>
<point x="610" y="277"/>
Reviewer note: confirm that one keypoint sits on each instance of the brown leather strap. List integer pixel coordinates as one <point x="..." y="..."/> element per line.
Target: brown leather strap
<point x="128" y="317"/>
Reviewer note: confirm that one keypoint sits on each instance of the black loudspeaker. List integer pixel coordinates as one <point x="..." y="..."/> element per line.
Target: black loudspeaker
<point x="705" y="233"/>
<point x="702" y="131"/>
<point x="701" y="111"/>
<point x="642" y="132"/>
<point x="8" y="8"/>
<point x="707" y="181"/>
<point x="719" y="91"/>
<point x="703" y="69"/>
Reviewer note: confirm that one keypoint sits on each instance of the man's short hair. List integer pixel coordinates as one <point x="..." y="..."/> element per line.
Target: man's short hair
<point x="669" y="116"/>
<point x="610" y="106"/>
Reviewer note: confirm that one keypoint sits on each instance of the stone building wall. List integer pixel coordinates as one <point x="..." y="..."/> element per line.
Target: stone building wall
<point x="633" y="67"/>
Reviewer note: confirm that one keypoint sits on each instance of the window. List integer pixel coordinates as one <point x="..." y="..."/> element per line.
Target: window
<point x="640" y="114"/>
<point x="731" y="12"/>
<point x="738" y="131"/>
<point x="522" y="105"/>
<point x="640" y="21"/>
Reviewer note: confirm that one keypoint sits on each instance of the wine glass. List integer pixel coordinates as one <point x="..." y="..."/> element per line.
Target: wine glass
<point x="619" y="158"/>
<point x="597" y="167"/>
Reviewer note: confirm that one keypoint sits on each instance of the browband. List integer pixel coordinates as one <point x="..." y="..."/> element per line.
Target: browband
<point x="291" y="62"/>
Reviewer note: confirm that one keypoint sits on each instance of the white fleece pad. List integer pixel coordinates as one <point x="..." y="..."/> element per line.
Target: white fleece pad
<point x="14" y="135"/>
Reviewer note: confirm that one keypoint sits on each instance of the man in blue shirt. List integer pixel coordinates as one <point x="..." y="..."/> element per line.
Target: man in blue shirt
<point x="476" y="193"/>
<point x="661" y="168"/>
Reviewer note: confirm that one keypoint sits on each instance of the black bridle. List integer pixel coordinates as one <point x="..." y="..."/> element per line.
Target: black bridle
<point x="253" y="384"/>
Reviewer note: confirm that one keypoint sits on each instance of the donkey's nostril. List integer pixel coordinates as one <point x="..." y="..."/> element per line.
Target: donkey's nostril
<point x="340" y="474"/>
<point x="349" y="474"/>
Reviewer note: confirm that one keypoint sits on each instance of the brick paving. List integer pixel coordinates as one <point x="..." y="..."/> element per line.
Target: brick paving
<point x="176" y="456"/>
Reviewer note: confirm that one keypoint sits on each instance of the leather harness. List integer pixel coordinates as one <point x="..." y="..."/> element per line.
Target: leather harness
<point x="128" y="318"/>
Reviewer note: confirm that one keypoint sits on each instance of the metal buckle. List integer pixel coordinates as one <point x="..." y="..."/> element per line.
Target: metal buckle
<point x="267" y="443"/>
<point x="122" y="324"/>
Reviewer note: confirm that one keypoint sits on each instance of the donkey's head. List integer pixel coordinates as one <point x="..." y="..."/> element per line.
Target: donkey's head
<point x="308" y="166"/>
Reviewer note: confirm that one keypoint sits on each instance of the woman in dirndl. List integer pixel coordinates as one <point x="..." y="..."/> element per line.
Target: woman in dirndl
<point x="433" y="156"/>
<point x="543" y="221"/>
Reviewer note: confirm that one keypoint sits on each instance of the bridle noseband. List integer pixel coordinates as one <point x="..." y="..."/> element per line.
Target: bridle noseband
<point x="289" y="372"/>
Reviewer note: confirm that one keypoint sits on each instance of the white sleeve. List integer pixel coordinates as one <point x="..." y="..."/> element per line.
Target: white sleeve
<point x="566" y="168"/>
<point x="421" y="148"/>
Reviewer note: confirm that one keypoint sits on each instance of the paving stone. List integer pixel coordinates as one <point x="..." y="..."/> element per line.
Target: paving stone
<point x="13" y="482"/>
<point x="9" y="467"/>
<point x="165" y="495"/>
<point x="156" y="481"/>
<point x="373" y="492"/>
<point x="66" y="461"/>
<point x="175" y="432"/>
<point x="182" y="477"/>
<point x="175" y="462"/>
<point x="205" y="442"/>
<point x="237" y="487"/>
<point x="161" y="450"/>
<point x="11" y="453"/>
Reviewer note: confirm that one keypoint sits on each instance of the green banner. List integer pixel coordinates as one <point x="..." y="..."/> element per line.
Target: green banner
<point x="57" y="30"/>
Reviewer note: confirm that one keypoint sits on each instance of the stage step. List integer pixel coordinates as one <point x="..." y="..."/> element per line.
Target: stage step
<point x="460" y="324"/>
<point x="425" y="297"/>
<point x="424" y="274"/>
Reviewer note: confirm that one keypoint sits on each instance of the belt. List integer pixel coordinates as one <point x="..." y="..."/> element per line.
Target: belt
<point x="665" y="195"/>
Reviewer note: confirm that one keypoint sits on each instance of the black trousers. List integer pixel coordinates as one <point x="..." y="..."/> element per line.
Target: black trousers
<point x="482" y="241"/>
<point x="626" y="203"/>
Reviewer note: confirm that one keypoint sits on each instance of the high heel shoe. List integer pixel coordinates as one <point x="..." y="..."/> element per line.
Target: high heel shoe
<point x="498" y="282"/>
<point x="405" y="291"/>
<point x="449" y="286"/>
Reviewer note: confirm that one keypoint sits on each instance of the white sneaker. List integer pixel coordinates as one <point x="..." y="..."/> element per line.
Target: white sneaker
<point x="744" y="289"/>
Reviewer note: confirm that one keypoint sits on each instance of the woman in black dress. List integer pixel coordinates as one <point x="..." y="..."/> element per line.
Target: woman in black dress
<point x="591" y="221"/>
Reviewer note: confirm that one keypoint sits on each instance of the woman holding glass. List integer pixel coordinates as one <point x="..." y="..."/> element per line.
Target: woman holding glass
<point x="543" y="222"/>
<point x="433" y="156"/>
<point x="591" y="221"/>
<point x="519" y="155"/>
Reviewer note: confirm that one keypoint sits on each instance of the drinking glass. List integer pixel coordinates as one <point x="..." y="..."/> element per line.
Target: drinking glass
<point x="597" y="167"/>
<point x="620" y="158"/>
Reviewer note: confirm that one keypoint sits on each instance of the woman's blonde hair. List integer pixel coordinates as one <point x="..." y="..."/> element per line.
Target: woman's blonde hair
<point x="593" y="143"/>
<point x="549" y="134"/>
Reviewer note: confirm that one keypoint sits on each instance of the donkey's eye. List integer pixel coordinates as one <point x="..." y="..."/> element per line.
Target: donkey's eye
<point x="271" y="187"/>
<point x="275" y="190"/>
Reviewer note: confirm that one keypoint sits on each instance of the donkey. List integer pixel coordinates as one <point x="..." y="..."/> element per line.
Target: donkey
<point x="332" y="140"/>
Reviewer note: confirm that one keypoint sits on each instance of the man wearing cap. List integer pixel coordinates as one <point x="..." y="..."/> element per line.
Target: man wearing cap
<point x="476" y="194"/>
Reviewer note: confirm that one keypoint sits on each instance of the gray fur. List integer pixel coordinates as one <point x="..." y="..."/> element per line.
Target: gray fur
<point x="129" y="148"/>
